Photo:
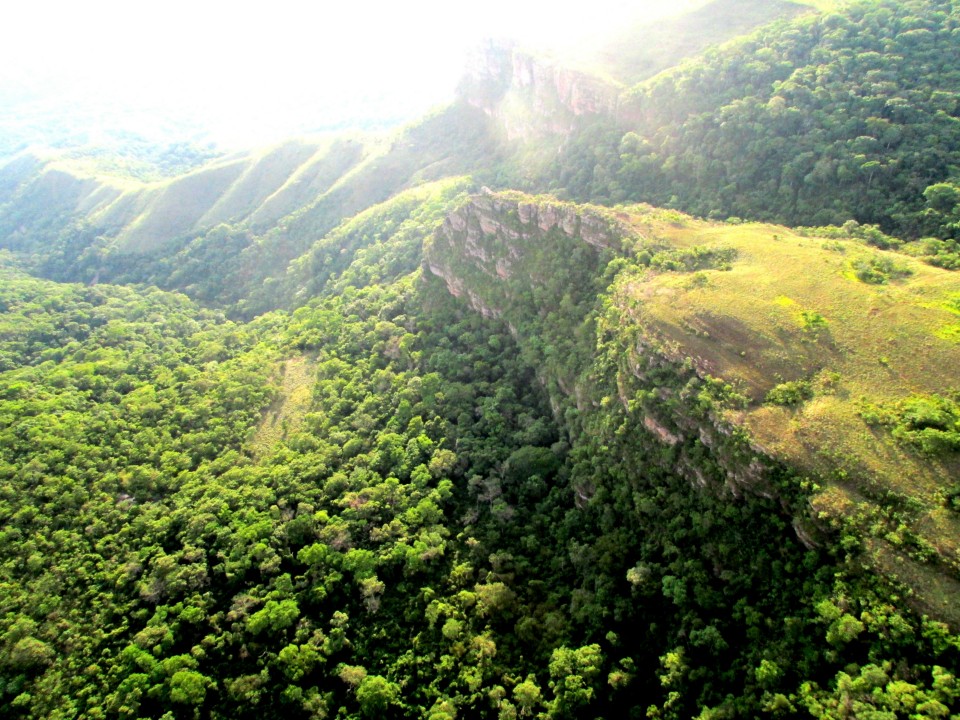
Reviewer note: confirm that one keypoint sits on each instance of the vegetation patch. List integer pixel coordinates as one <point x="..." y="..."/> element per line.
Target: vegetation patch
<point x="952" y="304"/>
<point x="929" y="423"/>
<point x="813" y="323"/>
<point x="879" y="269"/>
<point x="790" y="393"/>
<point x="691" y="259"/>
<point x="852" y="230"/>
<point x="937" y="252"/>
<point x="950" y="333"/>
<point x="284" y="417"/>
<point x="951" y="498"/>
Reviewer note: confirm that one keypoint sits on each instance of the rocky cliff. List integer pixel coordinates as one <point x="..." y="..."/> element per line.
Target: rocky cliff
<point x="542" y="266"/>
<point x="535" y="96"/>
<point x="687" y="336"/>
<point x="500" y="249"/>
<point x="531" y="96"/>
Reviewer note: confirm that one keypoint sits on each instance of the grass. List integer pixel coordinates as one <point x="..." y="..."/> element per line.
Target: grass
<point x="332" y="161"/>
<point x="267" y="172"/>
<point x="950" y="333"/>
<point x="285" y="415"/>
<point x="939" y="593"/>
<point x="232" y="190"/>
<point x="790" y="311"/>
<point x="265" y="185"/>
<point x="173" y="208"/>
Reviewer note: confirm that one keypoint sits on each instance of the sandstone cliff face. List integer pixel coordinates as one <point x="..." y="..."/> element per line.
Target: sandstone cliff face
<point x="491" y="244"/>
<point x="532" y="97"/>
<point x="675" y="418"/>
<point x="500" y="253"/>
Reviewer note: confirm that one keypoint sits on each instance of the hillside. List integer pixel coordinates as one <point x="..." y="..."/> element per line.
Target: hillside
<point x="521" y="510"/>
<point x="639" y="52"/>
<point x="72" y="222"/>
<point x="374" y="426"/>
<point x="847" y="378"/>
<point x="844" y="115"/>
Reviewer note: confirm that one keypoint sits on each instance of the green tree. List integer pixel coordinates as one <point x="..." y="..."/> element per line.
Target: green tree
<point x="376" y="694"/>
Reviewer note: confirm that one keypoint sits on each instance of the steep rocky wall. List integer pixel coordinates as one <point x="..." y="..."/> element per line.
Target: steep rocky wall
<point x="495" y="245"/>
<point x="502" y="253"/>
<point x="531" y="96"/>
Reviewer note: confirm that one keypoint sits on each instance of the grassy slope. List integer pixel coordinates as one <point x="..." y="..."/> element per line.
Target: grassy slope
<point x="453" y="141"/>
<point x="881" y="344"/>
<point x="260" y="180"/>
<point x="265" y="185"/>
<point x="285" y="415"/>
<point x="312" y="179"/>
<point x="175" y="208"/>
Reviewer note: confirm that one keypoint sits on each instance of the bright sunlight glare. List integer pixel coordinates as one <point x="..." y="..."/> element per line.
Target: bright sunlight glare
<point x="255" y="71"/>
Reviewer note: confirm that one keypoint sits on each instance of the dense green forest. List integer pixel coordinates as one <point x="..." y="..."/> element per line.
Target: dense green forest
<point x="427" y="539"/>
<point x="333" y="430"/>
<point x="815" y="121"/>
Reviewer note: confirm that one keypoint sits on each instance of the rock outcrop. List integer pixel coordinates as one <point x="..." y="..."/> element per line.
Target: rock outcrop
<point x="488" y="244"/>
<point x="530" y="96"/>
<point x="501" y="253"/>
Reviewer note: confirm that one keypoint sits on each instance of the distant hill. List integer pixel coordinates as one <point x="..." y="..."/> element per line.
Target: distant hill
<point x="77" y="221"/>
<point x="826" y="118"/>
<point x="638" y="52"/>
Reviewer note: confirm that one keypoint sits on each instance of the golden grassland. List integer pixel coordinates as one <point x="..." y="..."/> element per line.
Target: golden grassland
<point x="791" y="308"/>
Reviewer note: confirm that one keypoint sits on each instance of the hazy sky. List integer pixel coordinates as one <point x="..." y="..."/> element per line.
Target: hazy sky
<point x="275" y="68"/>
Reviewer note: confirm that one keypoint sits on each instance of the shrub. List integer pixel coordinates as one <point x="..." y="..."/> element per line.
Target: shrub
<point x="695" y="258"/>
<point x="812" y="322"/>
<point x="879" y="270"/>
<point x="930" y="423"/>
<point x="790" y="393"/>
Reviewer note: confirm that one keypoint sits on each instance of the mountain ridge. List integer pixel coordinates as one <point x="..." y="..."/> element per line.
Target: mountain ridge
<point x="537" y="125"/>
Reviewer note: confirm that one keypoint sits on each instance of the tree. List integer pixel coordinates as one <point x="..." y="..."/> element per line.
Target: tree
<point x="274" y="616"/>
<point x="189" y="687"/>
<point x="572" y="673"/>
<point x="375" y="694"/>
<point x="528" y="696"/>
<point x="942" y="197"/>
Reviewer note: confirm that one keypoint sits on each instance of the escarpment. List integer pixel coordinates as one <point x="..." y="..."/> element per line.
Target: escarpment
<point x="651" y="323"/>
<point x="507" y="253"/>
<point x="532" y="97"/>
<point x="544" y="267"/>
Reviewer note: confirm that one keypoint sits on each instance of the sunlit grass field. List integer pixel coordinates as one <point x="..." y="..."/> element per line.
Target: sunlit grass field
<point x="793" y="309"/>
